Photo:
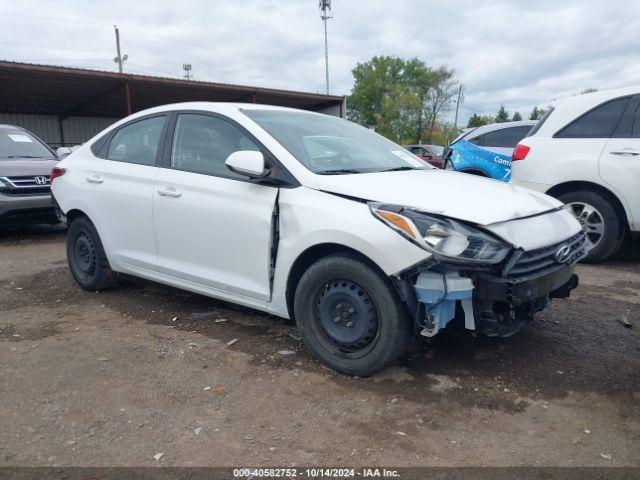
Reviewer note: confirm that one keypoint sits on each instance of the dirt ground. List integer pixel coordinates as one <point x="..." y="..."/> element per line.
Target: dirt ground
<point x="114" y="378"/>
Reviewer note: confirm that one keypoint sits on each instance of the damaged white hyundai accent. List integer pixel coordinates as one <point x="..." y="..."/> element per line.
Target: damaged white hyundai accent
<point x="313" y="218"/>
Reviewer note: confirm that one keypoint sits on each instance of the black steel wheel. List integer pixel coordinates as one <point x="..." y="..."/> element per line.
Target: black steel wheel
<point x="87" y="260"/>
<point x="350" y="316"/>
<point x="347" y="318"/>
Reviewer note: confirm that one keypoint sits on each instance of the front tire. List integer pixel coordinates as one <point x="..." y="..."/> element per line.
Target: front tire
<point x="350" y="316"/>
<point x="87" y="261"/>
<point x="599" y="218"/>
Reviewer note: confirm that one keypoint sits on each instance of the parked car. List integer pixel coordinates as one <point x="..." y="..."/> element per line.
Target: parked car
<point x="364" y="248"/>
<point x="486" y="151"/>
<point x="431" y="154"/>
<point x="585" y="151"/>
<point x="25" y="165"/>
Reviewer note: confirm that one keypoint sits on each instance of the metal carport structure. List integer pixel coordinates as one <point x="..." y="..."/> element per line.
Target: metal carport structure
<point x="66" y="106"/>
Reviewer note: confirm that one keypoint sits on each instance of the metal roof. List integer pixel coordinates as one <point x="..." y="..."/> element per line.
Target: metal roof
<point x="63" y="91"/>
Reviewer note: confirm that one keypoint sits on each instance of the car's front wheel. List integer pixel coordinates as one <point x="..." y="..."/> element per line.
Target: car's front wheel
<point x="350" y="316"/>
<point x="87" y="261"/>
<point x="600" y="221"/>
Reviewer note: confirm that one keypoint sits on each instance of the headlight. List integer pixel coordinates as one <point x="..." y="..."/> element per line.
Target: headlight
<point x="443" y="237"/>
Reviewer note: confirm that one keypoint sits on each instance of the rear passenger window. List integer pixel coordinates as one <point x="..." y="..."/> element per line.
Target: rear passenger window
<point x="597" y="123"/>
<point x="137" y="142"/>
<point x="202" y="143"/>
<point x="506" y="137"/>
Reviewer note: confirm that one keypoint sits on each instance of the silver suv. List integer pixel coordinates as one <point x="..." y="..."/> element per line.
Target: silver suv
<point x="25" y="165"/>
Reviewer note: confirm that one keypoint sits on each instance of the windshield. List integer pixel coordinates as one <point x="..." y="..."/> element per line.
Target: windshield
<point x="436" y="149"/>
<point x="328" y="145"/>
<point x="16" y="143"/>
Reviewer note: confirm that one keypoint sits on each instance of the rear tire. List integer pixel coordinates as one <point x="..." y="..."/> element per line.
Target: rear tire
<point x="350" y="316"/>
<point x="602" y="222"/>
<point x="87" y="261"/>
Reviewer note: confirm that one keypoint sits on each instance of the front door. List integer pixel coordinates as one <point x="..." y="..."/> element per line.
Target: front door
<point x="213" y="226"/>
<point x="619" y="164"/>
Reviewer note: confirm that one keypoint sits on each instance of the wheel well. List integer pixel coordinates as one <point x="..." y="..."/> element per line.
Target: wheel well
<point x="475" y="171"/>
<point x="567" y="187"/>
<point x="310" y="256"/>
<point x="74" y="214"/>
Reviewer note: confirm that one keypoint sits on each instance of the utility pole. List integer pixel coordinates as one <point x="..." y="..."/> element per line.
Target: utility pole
<point x="455" y="122"/>
<point x="325" y="14"/>
<point x="119" y="59"/>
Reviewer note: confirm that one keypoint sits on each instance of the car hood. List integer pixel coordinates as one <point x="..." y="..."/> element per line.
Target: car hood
<point x="458" y="195"/>
<point x="18" y="167"/>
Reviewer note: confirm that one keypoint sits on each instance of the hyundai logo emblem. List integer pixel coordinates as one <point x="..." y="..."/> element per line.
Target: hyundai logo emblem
<point x="41" y="180"/>
<point x="563" y="254"/>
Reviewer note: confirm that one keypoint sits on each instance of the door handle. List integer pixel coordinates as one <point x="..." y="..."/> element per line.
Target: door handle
<point x="95" y="179"/>
<point x="630" y="151"/>
<point x="169" y="192"/>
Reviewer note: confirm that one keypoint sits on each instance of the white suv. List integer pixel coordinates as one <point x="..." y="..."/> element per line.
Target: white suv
<point x="311" y="217"/>
<point x="585" y="151"/>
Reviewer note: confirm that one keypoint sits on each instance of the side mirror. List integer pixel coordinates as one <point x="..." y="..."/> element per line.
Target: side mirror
<point x="63" y="152"/>
<point x="247" y="162"/>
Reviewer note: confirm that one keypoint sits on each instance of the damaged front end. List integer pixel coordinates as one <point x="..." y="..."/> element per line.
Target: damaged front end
<point x="475" y="279"/>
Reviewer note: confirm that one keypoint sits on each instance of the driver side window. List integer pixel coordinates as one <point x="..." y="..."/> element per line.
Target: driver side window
<point x="202" y="143"/>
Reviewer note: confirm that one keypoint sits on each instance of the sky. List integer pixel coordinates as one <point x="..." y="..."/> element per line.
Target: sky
<point x="516" y="53"/>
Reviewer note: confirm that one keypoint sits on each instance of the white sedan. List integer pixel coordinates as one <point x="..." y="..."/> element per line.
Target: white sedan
<point x="312" y="217"/>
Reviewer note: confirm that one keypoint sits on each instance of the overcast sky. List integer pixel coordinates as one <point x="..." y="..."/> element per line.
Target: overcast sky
<point x="516" y="53"/>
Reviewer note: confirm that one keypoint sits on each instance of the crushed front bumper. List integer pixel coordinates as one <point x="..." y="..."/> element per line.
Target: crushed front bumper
<point x="499" y="300"/>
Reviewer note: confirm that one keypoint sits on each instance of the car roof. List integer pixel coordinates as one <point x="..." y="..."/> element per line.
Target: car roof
<point x="492" y="127"/>
<point x="10" y="127"/>
<point x="567" y="109"/>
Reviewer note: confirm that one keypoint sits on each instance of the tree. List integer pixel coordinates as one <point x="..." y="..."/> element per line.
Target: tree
<point x="401" y="99"/>
<point x="442" y="89"/>
<point x="516" y="117"/>
<point x="478" y="120"/>
<point x="536" y="113"/>
<point x="589" y="90"/>
<point x="502" y="115"/>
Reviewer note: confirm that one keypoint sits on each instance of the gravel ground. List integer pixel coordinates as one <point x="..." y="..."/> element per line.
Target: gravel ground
<point x="114" y="378"/>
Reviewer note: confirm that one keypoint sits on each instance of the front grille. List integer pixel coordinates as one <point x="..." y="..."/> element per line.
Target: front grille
<point x="25" y="185"/>
<point x="543" y="260"/>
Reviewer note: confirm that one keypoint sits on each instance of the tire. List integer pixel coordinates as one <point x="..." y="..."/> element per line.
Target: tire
<point x="87" y="260"/>
<point x="602" y="222"/>
<point x="350" y="316"/>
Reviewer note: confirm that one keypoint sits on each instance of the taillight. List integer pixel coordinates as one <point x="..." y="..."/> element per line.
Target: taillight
<point x="520" y="152"/>
<point x="55" y="173"/>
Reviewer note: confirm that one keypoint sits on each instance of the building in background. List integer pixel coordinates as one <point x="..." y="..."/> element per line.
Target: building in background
<point x="68" y="106"/>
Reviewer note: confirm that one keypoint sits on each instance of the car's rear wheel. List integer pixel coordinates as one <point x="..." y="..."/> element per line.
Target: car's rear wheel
<point x="349" y="315"/>
<point x="600" y="220"/>
<point x="87" y="260"/>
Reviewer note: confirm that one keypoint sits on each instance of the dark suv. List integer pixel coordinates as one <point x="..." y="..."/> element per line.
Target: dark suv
<point x="25" y="165"/>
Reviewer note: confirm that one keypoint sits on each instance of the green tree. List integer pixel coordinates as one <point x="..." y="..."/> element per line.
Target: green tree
<point x="478" y="120"/>
<point x="516" y="117"/>
<point x="536" y="113"/>
<point x="502" y="115"/>
<point x="401" y="99"/>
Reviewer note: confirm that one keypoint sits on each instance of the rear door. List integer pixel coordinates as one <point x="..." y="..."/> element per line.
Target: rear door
<point x="619" y="164"/>
<point x="118" y="186"/>
<point x="498" y="147"/>
<point x="213" y="226"/>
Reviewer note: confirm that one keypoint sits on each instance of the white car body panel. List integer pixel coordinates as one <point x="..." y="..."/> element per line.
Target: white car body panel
<point x="481" y="200"/>
<point x="215" y="237"/>
<point x="554" y="161"/>
<point x="214" y="222"/>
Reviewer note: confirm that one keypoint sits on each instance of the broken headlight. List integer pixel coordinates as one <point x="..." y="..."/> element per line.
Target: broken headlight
<point x="444" y="237"/>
